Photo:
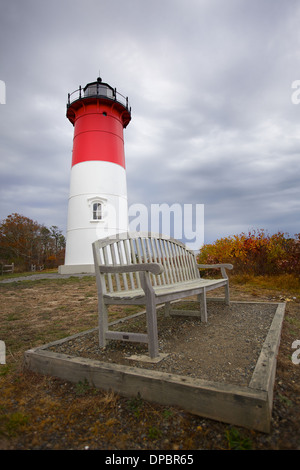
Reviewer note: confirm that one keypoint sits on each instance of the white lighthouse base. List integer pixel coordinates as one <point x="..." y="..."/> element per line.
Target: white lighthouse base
<point x="76" y="269"/>
<point x="79" y="253"/>
<point x="93" y="183"/>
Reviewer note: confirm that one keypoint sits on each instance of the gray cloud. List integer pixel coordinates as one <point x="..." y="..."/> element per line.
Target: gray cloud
<point x="210" y="87"/>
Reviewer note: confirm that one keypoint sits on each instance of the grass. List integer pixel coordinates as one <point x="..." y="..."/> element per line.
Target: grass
<point x="13" y="423"/>
<point x="26" y="274"/>
<point x="236" y="441"/>
<point x="285" y="282"/>
<point x="154" y="432"/>
<point x="40" y="412"/>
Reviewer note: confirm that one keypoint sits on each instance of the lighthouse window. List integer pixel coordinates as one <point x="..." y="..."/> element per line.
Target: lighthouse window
<point x="101" y="90"/>
<point x="97" y="211"/>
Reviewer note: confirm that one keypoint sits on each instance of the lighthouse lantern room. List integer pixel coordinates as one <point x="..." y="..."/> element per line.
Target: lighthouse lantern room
<point x="98" y="191"/>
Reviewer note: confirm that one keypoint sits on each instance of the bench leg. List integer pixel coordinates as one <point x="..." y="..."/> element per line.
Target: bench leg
<point x="227" y="295"/>
<point x="103" y="324"/>
<point x="152" y="327"/>
<point x="167" y="309"/>
<point x="151" y="315"/>
<point x="203" y="306"/>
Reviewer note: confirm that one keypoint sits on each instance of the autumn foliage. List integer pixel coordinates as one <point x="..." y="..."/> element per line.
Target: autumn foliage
<point x="25" y="242"/>
<point x="255" y="252"/>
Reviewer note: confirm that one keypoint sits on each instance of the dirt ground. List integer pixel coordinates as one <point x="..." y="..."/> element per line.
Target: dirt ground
<point x="42" y="412"/>
<point x="224" y="349"/>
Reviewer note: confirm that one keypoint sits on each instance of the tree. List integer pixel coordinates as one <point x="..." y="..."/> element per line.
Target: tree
<point x="26" y="242"/>
<point x="18" y="235"/>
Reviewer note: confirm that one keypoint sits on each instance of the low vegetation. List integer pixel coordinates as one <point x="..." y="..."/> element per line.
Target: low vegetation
<point x="256" y="253"/>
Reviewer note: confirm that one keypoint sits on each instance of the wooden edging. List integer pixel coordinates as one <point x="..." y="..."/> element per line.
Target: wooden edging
<point x="249" y="407"/>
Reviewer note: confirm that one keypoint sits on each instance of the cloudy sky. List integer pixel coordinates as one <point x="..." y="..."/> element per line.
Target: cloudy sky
<point x="215" y="117"/>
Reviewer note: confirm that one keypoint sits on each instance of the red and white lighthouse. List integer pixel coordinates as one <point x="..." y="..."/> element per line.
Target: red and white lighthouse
<point x="98" y="190"/>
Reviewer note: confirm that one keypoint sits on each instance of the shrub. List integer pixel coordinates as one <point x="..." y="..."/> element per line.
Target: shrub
<point x="255" y="252"/>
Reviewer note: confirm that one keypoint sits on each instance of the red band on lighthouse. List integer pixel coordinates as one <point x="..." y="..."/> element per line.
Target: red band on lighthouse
<point x="98" y="135"/>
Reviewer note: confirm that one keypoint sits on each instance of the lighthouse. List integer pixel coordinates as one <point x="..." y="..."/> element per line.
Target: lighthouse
<point x="97" y="204"/>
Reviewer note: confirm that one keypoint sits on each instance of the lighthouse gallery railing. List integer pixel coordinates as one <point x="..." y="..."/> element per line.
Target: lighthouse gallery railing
<point x="98" y="91"/>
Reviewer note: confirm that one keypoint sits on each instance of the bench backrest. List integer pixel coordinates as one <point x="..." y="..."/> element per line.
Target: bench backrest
<point x="132" y="248"/>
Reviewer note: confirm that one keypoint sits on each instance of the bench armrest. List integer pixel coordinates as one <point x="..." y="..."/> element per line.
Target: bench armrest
<point x="214" y="266"/>
<point x="222" y="266"/>
<point x="154" y="268"/>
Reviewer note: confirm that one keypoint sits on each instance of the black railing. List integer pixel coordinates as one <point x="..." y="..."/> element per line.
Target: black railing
<point x="98" y="90"/>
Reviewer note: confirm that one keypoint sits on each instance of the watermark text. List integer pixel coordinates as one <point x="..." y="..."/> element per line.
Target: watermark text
<point x="183" y="222"/>
<point x="295" y="97"/>
<point x="2" y="353"/>
<point x="2" y="92"/>
<point x="296" y="354"/>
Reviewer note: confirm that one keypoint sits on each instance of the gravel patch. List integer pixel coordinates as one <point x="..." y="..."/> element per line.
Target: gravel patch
<point x="225" y="349"/>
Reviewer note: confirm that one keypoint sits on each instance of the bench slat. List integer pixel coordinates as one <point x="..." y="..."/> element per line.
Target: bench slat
<point x="158" y="279"/>
<point x="150" y="260"/>
<point x="167" y="289"/>
<point x="159" y="256"/>
<point x="119" y="259"/>
<point x="106" y="262"/>
<point x="114" y="260"/>
<point x="133" y="254"/>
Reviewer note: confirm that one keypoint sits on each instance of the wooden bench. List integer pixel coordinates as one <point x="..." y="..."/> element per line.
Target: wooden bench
<point x="148" y="269"/>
